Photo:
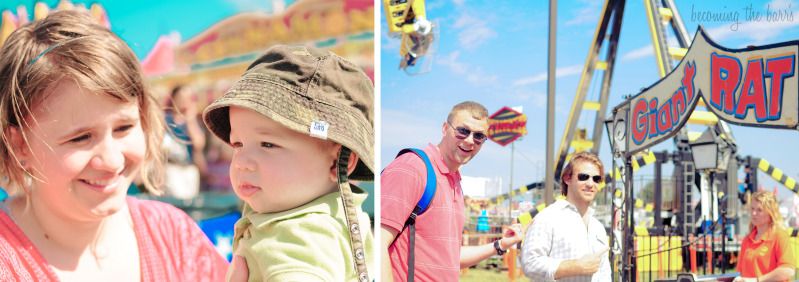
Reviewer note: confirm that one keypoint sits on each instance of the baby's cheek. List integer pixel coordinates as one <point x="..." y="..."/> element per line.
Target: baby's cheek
<point x="234" y="177"/>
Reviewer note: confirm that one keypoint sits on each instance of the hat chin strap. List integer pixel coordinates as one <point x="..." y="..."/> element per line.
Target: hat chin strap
<point x="351" y="213"/>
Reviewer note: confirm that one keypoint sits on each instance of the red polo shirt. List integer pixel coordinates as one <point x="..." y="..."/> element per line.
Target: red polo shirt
<point x="438" y="230"/>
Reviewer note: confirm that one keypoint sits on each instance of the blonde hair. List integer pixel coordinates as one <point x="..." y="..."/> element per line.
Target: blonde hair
<point x="70" y="45"/>
<point x="582" y="157"/>
<point x="477" y="110"/>
<point x="769" y="203"/>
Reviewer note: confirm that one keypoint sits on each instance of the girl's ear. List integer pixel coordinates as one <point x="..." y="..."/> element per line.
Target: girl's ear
<point x="18" y="144"/>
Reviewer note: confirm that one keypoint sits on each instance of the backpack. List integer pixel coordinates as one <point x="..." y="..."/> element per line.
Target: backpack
<point x="421" y="206"/>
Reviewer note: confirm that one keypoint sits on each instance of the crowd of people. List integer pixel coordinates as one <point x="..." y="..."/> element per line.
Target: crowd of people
<point x="565" y="241"/>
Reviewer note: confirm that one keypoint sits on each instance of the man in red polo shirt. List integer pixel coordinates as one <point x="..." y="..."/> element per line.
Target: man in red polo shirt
<point x="439" y="255"/>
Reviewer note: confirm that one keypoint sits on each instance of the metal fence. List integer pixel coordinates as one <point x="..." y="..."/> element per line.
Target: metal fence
<point x="709" y="254"/>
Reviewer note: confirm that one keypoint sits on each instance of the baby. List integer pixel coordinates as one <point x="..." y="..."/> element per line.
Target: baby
<point x="300" y="124"/>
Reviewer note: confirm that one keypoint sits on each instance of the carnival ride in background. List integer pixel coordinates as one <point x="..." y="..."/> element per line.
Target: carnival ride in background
<point x="657" y="238"/>
<point x="706" y="162"/>
<point x="407" y="19"/>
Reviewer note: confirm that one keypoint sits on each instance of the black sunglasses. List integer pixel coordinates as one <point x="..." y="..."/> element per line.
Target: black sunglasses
<point x="583" y="177"/>
<point x="463" y="133"/>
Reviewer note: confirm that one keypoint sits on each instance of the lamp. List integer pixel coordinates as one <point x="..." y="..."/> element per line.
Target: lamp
<point x="714" y="148"/>
<point x="705" y="151"/>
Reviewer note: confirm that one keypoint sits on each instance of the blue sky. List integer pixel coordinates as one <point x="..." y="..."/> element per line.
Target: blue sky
<point x="495" y="52"/>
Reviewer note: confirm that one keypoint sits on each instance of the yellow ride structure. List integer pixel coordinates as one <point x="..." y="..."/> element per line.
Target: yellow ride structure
<point x="407" y="19"/>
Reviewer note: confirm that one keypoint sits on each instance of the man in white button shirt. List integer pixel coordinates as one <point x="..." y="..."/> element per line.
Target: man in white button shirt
<point x="565" y="242"/>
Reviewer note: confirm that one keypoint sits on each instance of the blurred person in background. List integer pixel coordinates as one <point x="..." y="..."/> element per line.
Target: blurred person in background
<point x="184" y="144"/>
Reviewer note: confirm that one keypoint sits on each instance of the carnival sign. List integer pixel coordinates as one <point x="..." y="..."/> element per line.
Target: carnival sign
<point x="244" y="37"/>
<point x="755" y="86"/>
<point x="506" y="125"/>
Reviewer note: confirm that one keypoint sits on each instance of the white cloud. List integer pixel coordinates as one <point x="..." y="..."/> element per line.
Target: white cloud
<point x="538" y="99"/>
<point x="458" y="2"/>
<point x="531" y="79"/>
<point x="542" y="76"/>
<point x="758" y="32"/>
<point x="647" y="50"/>
<point x="588" y="14"/>
<point x="474" y="31"/>
<point x="474" y="75"/>
<point x="463" y="20"/>
<point x="638" y="53"/>
<point x="478" y="77"/>
<point x="568" y="71"/>
<point x="476" y="36"/>
<point x="451" y="61"/>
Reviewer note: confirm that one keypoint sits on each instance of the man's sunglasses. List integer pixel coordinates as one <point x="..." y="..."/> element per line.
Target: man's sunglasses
<point x="583" y="177"/>
<point x="463" y="133"/>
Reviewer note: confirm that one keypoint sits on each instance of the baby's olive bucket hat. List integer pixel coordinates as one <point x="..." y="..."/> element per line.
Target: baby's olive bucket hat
<point x="308" y="90"/>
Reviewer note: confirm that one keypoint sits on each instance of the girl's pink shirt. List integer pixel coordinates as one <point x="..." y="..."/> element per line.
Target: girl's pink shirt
<point x="171" y="248"/>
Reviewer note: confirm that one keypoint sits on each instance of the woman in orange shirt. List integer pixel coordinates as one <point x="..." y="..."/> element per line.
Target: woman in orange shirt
<point x="766" y="253"/>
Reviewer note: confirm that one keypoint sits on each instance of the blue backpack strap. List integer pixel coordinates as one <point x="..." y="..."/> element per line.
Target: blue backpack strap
<point x="430" y="182"/>
<point x="421" y="206"/>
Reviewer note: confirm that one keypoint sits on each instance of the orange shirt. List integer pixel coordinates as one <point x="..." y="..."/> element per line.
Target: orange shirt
<point x="758" y="257"/>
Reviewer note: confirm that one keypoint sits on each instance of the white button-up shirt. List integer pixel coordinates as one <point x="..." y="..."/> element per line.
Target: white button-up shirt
<point x="559" y="233"/>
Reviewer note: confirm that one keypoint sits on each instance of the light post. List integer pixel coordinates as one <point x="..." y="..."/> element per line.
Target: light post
<point x="711" y="153"/>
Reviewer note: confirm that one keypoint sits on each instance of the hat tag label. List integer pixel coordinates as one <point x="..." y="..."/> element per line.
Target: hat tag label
<point x="319" y="129"/>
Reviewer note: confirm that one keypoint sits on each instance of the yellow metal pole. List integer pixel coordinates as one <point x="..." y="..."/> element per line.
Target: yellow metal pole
<point x="655" y="40"/>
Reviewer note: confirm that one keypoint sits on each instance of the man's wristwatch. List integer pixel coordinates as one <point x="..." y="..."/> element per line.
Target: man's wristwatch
<point x="499" y="248"/>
